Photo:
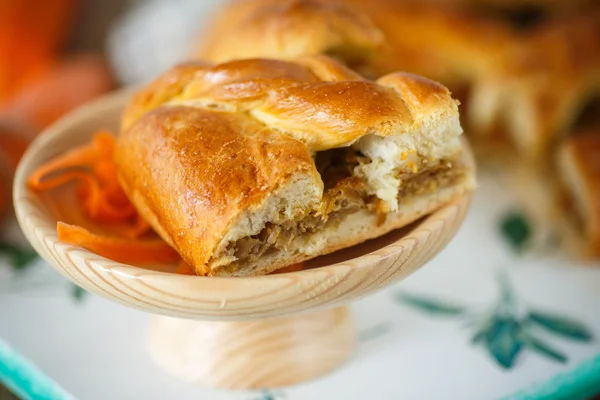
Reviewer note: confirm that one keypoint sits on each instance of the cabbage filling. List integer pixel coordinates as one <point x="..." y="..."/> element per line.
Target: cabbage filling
<point x="344" y="194"/>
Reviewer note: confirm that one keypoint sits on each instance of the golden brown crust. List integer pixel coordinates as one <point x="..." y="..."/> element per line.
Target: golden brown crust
<point x="530" y="85"/>
<point x="452" y="46"/>
<point x="525" y="89"/>
<point x="288" y="29"/>
<point x="205" y="149"/>
<point x="315" y="99"/>
<point x="191" y="172"/>
<point x="167" y="86"/>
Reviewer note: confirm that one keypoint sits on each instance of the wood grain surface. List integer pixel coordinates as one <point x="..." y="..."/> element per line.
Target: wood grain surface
<point x="253" y="354"/>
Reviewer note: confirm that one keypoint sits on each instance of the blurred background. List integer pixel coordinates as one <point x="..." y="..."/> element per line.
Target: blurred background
<point x="526" y="72"/>
<point x="59" y="54"/>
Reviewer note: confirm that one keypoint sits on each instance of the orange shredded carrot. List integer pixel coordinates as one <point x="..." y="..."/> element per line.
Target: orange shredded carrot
<point x="98" y="188"/>
<point x="83" y="157"/>
<point x="103" y="200"/>
<point x="118" y="249"/>
<point x="48" y="184"/>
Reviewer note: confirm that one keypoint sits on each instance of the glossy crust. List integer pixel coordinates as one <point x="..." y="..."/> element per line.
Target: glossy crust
<point x="205" y="152"/>
<point x="452" y="46"/>
<point x="527" y="87"/>
<point x="289" y="29"/>
<point x="192" y="172"/>
<point x="314" y="99"/>
<point x="579" y="168"/>
<point x="524" y="90"/>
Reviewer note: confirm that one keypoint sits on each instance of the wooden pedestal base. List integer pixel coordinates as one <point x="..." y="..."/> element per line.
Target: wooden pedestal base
<point x="254" y="354"/>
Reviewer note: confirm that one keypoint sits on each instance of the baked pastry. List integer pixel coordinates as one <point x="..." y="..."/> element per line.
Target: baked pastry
<point x="374" y="37"/>
<point x="289" y="29"/>
<point x="253" y="165"/>
<point x="541" y="92"/>
<point x="520" y="89"/>
<point x="578" y="165"/>
<point x="524" y="88"/>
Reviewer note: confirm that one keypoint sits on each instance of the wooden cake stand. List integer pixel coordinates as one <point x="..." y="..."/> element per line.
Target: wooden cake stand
<point x="254" y="332"/>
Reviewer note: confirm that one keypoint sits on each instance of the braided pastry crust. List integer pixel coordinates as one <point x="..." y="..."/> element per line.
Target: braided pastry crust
<point x="249" y="166"/>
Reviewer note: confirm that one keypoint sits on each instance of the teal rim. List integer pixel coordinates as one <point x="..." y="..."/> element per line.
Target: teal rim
<point x="28" y="382"/>
<point x="580" y="383"/>
<point x="25" y="380"/>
